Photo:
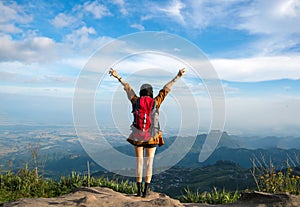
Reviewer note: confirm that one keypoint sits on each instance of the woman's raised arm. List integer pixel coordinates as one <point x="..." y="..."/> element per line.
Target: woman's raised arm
<point x="130" y="92"/>
<point x="115" y="74"/>
<point x="179" y="75"/>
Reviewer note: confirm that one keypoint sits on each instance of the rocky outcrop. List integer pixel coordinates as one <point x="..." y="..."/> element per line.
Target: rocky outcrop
<point x="260" y="199"/>
<point x="105" y="197"/>
<point x="98" y="197"/>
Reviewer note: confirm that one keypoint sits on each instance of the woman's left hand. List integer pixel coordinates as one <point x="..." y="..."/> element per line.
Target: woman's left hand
<point x="181" y="72"/>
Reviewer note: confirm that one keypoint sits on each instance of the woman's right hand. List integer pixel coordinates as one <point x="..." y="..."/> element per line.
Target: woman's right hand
<point x="113" y="73"/>
<point x="181" y="72"/>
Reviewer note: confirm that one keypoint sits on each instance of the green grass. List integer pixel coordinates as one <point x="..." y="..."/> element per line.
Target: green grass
<point x="28" y="183"/>
<point x="213" y="197"/>
<point x="25" y="184"/>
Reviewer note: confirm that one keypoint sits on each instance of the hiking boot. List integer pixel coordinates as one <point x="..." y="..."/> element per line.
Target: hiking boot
<point x="139" y="189"/>
<point x="146" y="191"/>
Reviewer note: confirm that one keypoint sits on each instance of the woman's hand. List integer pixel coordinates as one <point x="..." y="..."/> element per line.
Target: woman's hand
<point x="113" y="73"/>
<point x="181" y="72"/>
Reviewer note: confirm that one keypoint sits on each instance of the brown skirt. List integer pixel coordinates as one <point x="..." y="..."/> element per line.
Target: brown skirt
<point x="156" y="140"/>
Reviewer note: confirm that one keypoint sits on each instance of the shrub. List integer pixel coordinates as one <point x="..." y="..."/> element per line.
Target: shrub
<point x="24" y="184"/>
<point x="270" y="180"/>
<point x="213" y="197"/>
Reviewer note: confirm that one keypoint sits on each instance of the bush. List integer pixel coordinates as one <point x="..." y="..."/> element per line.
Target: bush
<point x="270" y="180"/>
<point x="213" y="197"/>
<point x="25" y="184"/>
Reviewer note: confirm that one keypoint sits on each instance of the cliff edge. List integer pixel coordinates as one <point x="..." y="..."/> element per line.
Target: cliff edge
<point x="105" y="197"/>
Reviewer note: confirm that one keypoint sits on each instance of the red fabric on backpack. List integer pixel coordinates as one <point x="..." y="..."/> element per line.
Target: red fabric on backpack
<point x="143" y="113"/>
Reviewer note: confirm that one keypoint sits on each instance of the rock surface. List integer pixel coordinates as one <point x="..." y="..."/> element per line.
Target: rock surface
<point x="105" y="197"/>
<point x="97" y="197"/>
<point x="260" y="199"/>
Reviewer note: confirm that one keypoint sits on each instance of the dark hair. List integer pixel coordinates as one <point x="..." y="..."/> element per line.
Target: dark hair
<point x="146" y="90"/>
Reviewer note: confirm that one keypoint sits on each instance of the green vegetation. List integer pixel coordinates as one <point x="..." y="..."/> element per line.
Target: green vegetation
<point x="266" y="177"/>
<point x="25" y="184"/>
<point x="213" y="197"/>
<point x="270" y="180"/>
<point x="278" y="182"/>
<point x="221" y="174"/>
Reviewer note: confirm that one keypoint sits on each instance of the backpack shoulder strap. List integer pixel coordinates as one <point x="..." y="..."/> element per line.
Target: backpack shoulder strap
<point x="137" y="104"/>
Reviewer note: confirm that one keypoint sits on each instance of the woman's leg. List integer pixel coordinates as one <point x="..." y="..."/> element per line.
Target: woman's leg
<point x="139" y="154"/>
<point x="149" y="163"/>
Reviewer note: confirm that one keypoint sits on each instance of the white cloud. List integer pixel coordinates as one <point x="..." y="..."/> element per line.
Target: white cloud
<point x="273" y="45"/>
<point x="77" y="62"/>
<point x="9" y="28"/>
<point x="257" y="115"/>
<point x="37" y="91"/>
<point x="84" y="42"/>
<point x="275" y="23"/>
<point x="12" y="14"/>
<point x="258" y="68"/>
<point x="290" y="8"/>
<point x="97" y="9"/>
<point x="63" y="20"/>
<point x="199" y="14"/>
<point x="276" y="18"/>
<point x="7" y="12"/>
<point x="81" y="35"/>
<point x="173" y="10"/>
<point x="279" y="17"/>
<point x="148" y="61"/>
<point x="77" y="46"/>
<point x="121" y="4"/>
<point x="7" y="76"/>
<point x="161" y="11"/>
<point x="36" y="74"/>
<point x="33" y="49"/>
<point x="138" y="26"/>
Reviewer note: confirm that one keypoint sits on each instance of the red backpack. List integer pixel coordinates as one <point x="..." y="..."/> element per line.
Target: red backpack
<point x="142" y="118"/>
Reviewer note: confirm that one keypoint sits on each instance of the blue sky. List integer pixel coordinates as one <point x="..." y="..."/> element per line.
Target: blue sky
<point x="254" y="46"/>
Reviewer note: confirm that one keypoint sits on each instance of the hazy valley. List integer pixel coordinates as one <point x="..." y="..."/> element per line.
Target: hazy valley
<point x="59" y="153"/>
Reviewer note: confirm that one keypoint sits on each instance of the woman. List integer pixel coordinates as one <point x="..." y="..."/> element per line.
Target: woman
<point x="143" y="141"/>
